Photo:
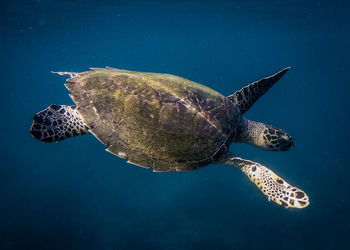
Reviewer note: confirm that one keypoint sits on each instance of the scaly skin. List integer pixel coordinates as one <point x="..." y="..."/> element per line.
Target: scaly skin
<point x="274" y="187"/>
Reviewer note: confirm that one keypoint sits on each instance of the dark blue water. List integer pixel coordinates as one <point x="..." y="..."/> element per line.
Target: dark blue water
<point x="75" y="195"/>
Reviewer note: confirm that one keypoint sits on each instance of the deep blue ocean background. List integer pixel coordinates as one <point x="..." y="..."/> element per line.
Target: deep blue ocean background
<point x="75" y="195"/>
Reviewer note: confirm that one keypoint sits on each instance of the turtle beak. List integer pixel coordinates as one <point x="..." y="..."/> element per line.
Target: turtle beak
<point x="292" y="144"/>
<point x="286" y="142"/>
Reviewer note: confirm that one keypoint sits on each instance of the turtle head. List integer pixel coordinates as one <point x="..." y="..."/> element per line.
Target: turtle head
<point x="276" y="139"/>
<point x="265" y="136"/>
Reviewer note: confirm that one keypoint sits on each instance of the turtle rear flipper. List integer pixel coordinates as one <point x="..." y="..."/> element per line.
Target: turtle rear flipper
<point x="273" y="186"/>
<point x="56" y="123"/>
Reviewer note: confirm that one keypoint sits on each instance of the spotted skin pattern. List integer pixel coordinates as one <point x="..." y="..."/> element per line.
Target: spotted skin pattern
<point x="265" y="136"/>
<point x="248" y="95"/>
<point x="273" y="186"/>
<point x="56" y="123"/>
<point x="276" y="139"/>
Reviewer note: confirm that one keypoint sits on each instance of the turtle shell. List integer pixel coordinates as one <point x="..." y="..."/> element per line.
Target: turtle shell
<point x="157" y="121"/>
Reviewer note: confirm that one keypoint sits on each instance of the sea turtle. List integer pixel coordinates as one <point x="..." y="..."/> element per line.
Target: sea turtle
<point x="169" y="123"/>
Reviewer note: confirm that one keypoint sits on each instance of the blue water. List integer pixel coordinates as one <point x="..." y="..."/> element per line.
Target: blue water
<point x="75" y="195"/>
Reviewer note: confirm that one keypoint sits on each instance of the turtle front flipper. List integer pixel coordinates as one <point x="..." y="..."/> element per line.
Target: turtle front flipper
<point x="57" y="122"/>
<point x="247" y="96"/>
<point x="273" y="186"/>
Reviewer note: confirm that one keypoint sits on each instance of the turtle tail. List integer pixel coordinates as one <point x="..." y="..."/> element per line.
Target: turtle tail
<point x="58" y="122"/>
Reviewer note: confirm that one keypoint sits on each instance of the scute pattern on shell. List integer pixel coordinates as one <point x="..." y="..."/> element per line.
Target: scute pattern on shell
<point x="158" y="121"/>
